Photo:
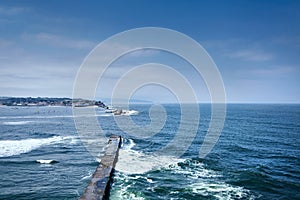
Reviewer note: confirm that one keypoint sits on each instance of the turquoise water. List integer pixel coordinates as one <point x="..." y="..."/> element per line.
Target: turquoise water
<point x="256" y="157"/>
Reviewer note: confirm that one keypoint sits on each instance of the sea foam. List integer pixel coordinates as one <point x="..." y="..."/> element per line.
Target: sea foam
<point x="45" y="161"/>
<point x="17" y="147"/>
<point x="134" y="162"/>
<point x="17" y="123"/>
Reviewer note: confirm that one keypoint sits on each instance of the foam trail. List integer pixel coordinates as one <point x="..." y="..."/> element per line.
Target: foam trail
<point x="205" y="181"/>
<point x="17" y="147"/>
<point x="221" y="190"/>
<point x="131" y="112"/>
<point x="17" y="123"/>
<point x="36" y="117"/>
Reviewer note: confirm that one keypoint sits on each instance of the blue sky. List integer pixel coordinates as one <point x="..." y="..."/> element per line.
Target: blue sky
<point x="255" y="44"/>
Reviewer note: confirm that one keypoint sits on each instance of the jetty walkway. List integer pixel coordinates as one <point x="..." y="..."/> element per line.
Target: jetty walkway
<point x="99" y="186"/>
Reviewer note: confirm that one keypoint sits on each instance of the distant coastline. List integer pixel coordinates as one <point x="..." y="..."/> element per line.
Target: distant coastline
<point x="47" y="101"/>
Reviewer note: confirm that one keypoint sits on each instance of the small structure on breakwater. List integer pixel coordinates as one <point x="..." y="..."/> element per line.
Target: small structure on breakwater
<point x="99" y="186"/>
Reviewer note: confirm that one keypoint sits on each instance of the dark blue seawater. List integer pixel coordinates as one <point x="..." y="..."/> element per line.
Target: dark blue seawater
<point x="257" y="155"/>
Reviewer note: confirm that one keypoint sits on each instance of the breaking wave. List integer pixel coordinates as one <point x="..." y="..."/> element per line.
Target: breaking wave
<point x="17" y="147"/>
<point x="46" y="161"/>
<point x="196" y="179"/>
<point x="134" y="162"/>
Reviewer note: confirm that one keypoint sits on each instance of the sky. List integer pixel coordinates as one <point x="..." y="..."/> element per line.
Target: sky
<point x="254" y="44"/>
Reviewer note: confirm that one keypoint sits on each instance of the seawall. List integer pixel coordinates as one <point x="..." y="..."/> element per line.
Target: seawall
<point x="99" y="185"/>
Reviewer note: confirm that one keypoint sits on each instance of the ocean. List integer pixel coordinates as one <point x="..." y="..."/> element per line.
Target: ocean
<point x="256" y="157"/>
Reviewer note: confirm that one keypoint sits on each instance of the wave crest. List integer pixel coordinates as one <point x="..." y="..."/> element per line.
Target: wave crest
<point x="16" y="147"/>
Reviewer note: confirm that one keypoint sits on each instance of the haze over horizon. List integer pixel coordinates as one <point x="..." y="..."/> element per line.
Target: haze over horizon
<point x="255" y="45"/>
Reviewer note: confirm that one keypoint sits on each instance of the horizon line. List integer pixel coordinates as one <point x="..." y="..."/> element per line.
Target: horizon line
<point x="143" y="101"/>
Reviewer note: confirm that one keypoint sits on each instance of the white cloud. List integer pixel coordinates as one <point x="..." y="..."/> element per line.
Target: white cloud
<point x="223" y="44"/>
<point x="275" y="71"/>
<point x="239" y="49"/>
<point x="143" y="53"/>
<point x="37" y="79"/>
<point x="5" y="43"/>
<point x="289" y="41"/>
<point x="12" y="10"/>
<point x="251" y="55"/>
<point x="60" y="41"/>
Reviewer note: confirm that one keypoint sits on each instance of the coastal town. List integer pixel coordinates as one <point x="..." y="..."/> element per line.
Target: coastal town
<point x="47" y="101"/>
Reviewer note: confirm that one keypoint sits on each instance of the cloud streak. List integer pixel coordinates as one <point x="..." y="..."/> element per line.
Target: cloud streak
<point x="241" y="49"/>
<point x="9" y="11"/>
<point x="275" y="71"/>
<point x="251" y="55"/>
<point x="59" y="41"/>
